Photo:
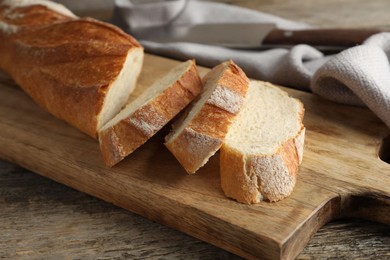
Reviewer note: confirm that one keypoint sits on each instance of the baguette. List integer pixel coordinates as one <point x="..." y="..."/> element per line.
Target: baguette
<point x="261" y="153"/>
<point x="201" y="130"/>
<point x="80" y="70"/>
<point x="149" y="112"/>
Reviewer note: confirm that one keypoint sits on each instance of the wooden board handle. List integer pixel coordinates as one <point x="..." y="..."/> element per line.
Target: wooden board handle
<point x="319" y="37"/>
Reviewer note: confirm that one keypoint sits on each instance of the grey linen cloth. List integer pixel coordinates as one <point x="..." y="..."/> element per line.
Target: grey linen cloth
<point x="357" y="76"/>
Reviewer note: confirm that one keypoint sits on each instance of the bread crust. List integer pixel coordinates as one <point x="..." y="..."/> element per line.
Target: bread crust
<point x="121" y="139"/>
<point x="251" y="178"/>
<point x="66" y="65"/>
<point x="204" y="134"/>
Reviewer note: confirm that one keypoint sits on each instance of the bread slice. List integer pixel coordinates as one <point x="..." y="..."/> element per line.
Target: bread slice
<point x="80" y="70"/>
<point x="261" y="153"/>
<point x="200" y="131"/>
<point x="149" y="112"/>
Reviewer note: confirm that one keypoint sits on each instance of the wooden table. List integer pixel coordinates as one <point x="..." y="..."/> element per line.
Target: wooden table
<point x="43" y="219"/>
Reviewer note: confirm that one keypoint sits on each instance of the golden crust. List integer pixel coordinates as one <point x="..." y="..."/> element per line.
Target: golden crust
<point x="278" y="172"/>
<point x="204" y="134"/>
<point x="191" y="148"/>
<point x="250" y="179"/>
<point x="31" y="16"/>
<point x="66" y="65"/>
<point x="234" y="182"/>
<point x="121" y="139"/>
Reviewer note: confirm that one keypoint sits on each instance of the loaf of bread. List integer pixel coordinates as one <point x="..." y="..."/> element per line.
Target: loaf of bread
<point x="83" y="71"/>
<point x="261" y="153"/>
<point x="149" y="112"/>
<point x="80" y="70"/>
<point x="201" y="130"/>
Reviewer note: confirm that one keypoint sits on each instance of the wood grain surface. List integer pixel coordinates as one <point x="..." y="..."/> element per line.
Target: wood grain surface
<point x="333" y="180"/>
<point x="79" y="226"/>
<point x="327" y="14"/>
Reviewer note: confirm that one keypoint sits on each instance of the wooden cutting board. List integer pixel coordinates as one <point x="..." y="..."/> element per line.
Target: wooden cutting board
<point x="341" y="174"/>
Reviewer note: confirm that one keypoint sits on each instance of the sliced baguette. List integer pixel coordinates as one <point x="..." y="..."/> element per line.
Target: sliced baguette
<point x="149" y="112"/>
<point x="200" y="131"/>
<point x="261" y="153"/>
<point x="80" y="70"/>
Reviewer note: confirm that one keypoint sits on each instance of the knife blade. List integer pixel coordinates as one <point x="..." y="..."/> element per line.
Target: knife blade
<point x="256" y="36"/>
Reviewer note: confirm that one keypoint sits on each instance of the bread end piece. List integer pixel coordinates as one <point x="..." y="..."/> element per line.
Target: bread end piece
<point x="149" y="112"/>
<point x="250" y="175"/>
<point x="200" y="131"/>
<point x="80" y="70"/>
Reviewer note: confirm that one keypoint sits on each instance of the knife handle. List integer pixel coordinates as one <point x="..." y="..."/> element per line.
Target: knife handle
<point x="319" y="37"/>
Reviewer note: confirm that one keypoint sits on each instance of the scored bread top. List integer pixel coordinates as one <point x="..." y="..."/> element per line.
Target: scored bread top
<point x="200" y="131"/>
<point x="68" y="65"/>
<point x="27" y="14"/>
